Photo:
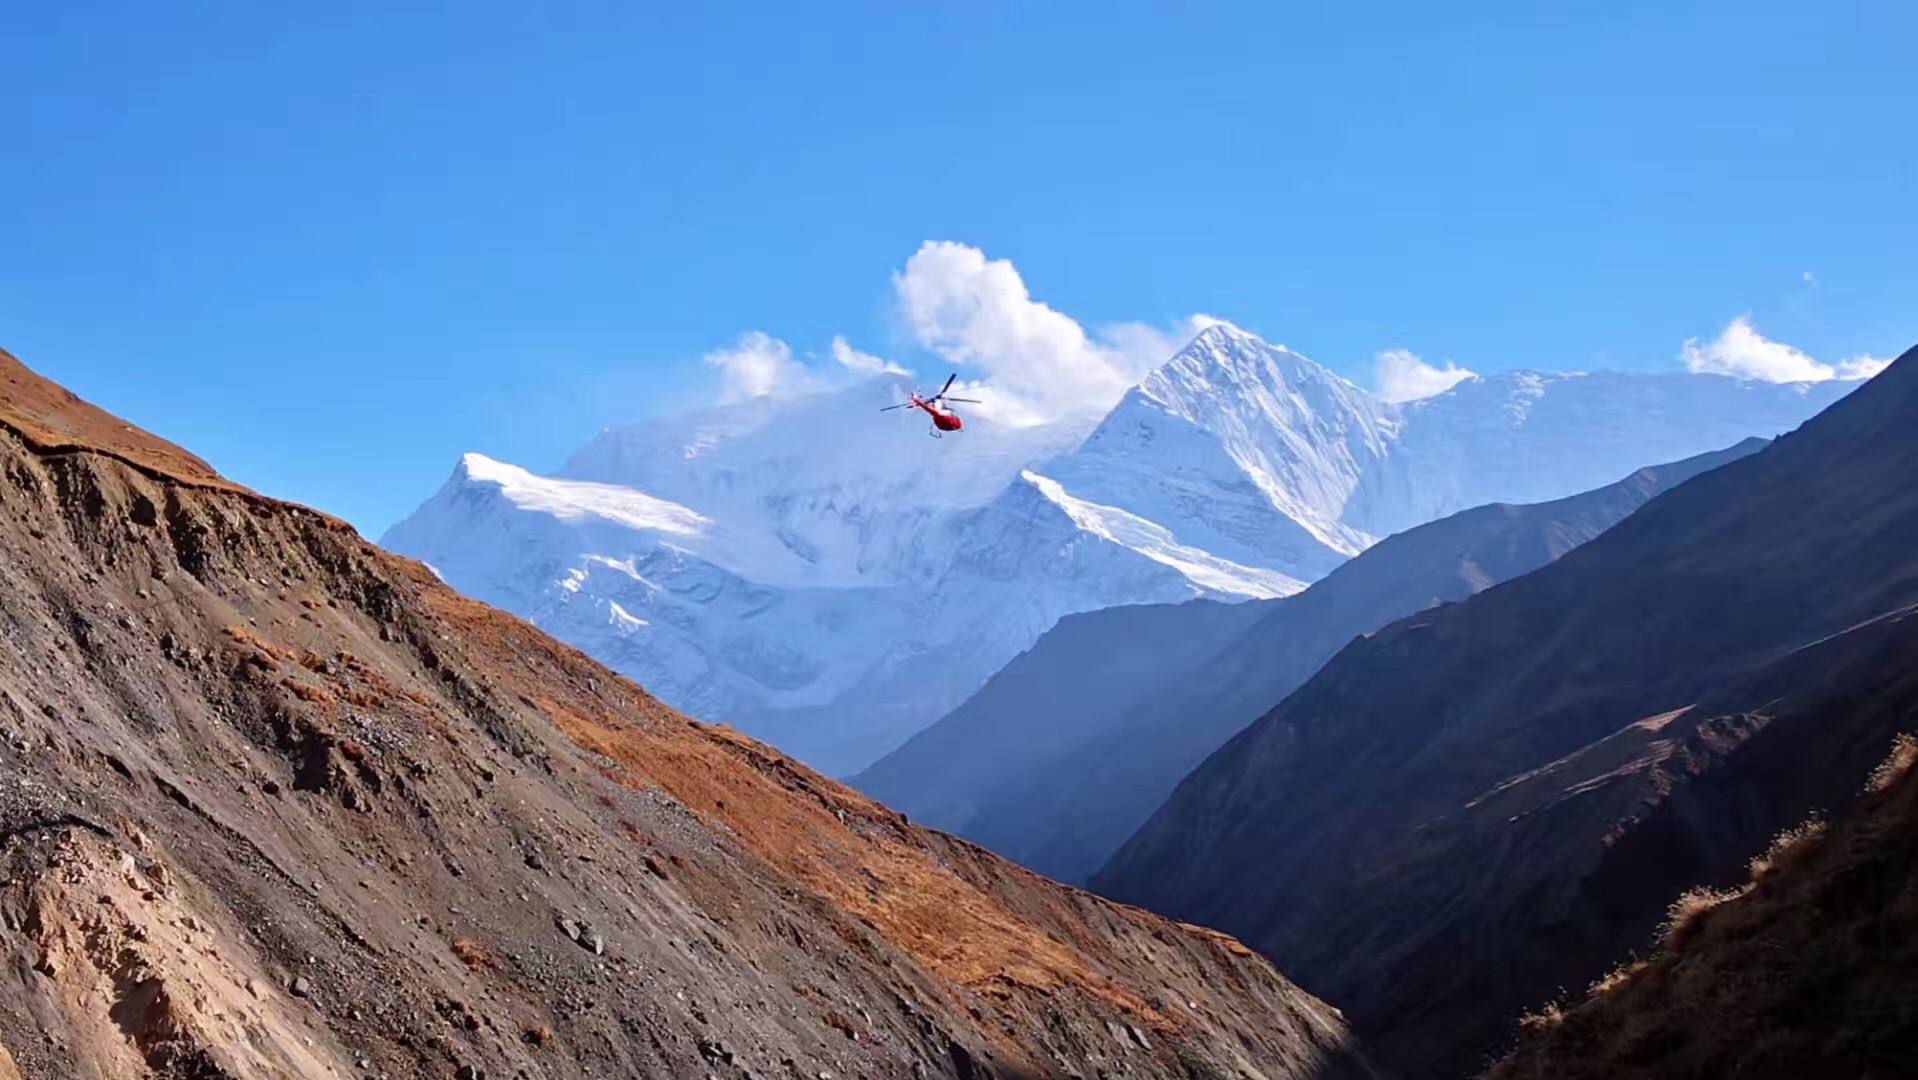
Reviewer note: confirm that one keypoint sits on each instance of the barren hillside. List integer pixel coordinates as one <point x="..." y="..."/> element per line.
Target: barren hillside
<point x="274" y="803"/>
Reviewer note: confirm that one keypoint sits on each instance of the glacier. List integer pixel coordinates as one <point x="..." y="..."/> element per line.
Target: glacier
<point x="825" y="577"/>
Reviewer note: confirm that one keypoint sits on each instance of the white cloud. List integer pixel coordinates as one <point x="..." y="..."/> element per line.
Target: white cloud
<point x="976" y="313"/>
<point x="862" y="363"/>
<point x="1133" y="349"/>
<point x="756" y="366"/>
<point x="1136" y="348"/>
<point x="1399" y="375"/>
<point x="1861" y="367"/>
<point x="1027" y="362"/>
<point x="1741" y="351"/>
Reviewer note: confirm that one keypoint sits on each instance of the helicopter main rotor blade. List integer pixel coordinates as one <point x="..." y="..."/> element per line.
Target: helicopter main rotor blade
<point x="967" y="400"/>
<point x="890" y="408"/>
<point x="948" y="386"/>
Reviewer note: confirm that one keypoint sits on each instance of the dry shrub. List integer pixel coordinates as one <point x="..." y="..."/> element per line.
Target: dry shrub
<point x="313" y="695"/>
<point x="1546" y="1018"/>
<point x="1784" y="845"/>
<point x="244" y="637"/>
<point x="472" y="954"/>
<point x="1687" y="914"/>
<point x="1616" y="977"/>
<point x="1904" y="751"/>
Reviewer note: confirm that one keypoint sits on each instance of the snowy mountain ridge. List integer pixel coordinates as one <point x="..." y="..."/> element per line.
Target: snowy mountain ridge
<point x="824" y="576"/>
<point x="1247" y="450"/>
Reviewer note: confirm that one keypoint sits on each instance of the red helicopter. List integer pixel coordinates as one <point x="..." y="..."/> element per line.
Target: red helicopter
<point x="943" y="419"/>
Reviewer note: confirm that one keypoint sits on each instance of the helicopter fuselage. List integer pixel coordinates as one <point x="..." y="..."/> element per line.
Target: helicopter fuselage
<point x="941" y="419"/>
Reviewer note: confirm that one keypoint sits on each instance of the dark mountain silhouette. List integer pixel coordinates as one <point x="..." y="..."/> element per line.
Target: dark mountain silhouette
<point x="1486" y="803"/>
<point x="1808" y="969"/>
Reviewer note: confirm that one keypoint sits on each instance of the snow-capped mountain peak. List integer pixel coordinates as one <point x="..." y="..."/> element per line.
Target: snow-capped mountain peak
<point x="826" y="576"/>
<point x="1242" y="448"/>
<point x="1224" y="358"/>
<point x="579" y="500"/>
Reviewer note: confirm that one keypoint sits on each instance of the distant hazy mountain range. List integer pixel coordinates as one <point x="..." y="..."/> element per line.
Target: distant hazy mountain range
<point x="1065" y="752"/>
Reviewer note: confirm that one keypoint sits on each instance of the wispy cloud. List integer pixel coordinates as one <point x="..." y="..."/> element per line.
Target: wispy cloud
<point x="757" y="365"/>
<point x="1399" y="375"/>
<point x="1741" y="351"/>
<point x="862" y="363"/>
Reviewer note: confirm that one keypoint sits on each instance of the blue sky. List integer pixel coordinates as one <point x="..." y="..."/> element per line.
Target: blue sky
<point x="330" y="247"/>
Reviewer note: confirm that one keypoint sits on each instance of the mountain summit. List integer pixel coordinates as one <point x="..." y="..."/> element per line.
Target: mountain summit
<point x="1243" y="449"/>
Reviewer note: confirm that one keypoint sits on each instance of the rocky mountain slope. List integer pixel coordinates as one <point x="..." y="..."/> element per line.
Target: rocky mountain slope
<point x="826" y="577"/>
<point x="1807" y="969"/>
<point x="274" y="803"/>
<point x="1484" y="803"/>
<point x="1067" y="751"/>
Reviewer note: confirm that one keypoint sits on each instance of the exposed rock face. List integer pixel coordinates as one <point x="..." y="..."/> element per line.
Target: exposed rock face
<point x="276" y="804"/>
<point x="1482" y="804"/>
<point x="1810" y="969"/>
<point x="1065" y="753"/>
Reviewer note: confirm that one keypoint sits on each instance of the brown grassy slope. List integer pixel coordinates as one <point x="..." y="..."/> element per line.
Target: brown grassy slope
<point x="1810" y="970"/>
<point x="53" y="419"/>
<point x="275" y="803"/>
